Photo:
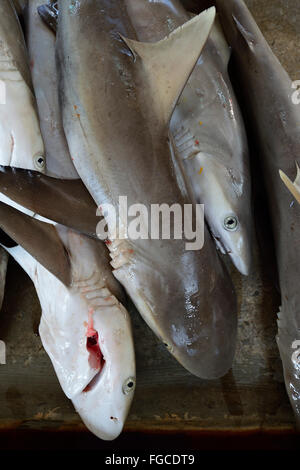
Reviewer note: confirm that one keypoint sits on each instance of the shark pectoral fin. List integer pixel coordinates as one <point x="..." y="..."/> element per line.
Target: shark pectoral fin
<point x="167" y="64"/>
<point x="39" y="239"/>
<point x="49" y="15"/>
<point x="64" y="201"/>
<point x="294" y="188"/>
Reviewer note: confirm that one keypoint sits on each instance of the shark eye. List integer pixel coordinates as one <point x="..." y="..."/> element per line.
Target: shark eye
<point x="128" y="385"/>
<point x="231" y="223"/>
<point x="39" y="161"/>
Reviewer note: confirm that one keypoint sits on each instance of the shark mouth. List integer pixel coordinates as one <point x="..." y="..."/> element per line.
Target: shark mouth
<point x="220" y="246"/>
<point x="96" y="358"/>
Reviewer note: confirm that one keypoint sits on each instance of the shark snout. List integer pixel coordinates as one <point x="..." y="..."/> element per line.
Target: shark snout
<point x="182" y="301"/>
<point x="238" y="246"/>
<point x="241" y="253"/>
<point x="105" y="405"/>
<point x="242" y="263"/>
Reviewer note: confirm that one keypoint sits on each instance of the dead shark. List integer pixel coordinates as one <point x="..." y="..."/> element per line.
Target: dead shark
<point x="116" y="120"/>
<point x="84" y="328"/>
<point x="208" y="131"/>
<point x="267" y="94"/>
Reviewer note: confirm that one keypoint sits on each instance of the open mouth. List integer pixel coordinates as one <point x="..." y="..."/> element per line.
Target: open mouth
<point x="96" y="359"/>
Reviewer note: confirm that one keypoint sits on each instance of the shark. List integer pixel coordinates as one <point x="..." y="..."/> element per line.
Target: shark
<point x="185" y="296"/>
<point x="20" y="135"/>
<point x="208" y="131"/>
<point x="39" y="37"/>
<point x="267" y="98"/>
<point x="117" y="96"/>
<point x="84" y="327"/>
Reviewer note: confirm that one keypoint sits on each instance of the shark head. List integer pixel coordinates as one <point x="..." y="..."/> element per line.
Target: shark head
<point x="178" y="292"/>
<point x="227" y="211"/>
<point x="103" y="403"/>
<point x="187" y="311"/>
<point x="86" y="332"/>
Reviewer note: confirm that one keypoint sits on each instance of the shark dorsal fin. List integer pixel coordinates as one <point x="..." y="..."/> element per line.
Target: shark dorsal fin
<point x="167" y="64"/>
<point x="39" y="239"/>
<point x="217" y="35"/>
<point x="294" y="188"/>
<point x="64" y="201"/>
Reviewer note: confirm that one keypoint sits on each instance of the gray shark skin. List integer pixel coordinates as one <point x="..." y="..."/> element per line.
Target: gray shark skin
<point x="63" y="199"/>
<point x="20" y="6"/>
<point x="19" y="130"/>
<point x="77" y="293"/>
<point x="208" y="132"/>
<point x="15" y="76"/>
<point x="41" y="42"/>
<point x="13" y="39"/>
<point x="116" y="107"/>
<point x="267" y="91"/>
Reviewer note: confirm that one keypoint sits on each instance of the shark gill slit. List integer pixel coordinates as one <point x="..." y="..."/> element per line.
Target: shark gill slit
<point x="96" y="294"/>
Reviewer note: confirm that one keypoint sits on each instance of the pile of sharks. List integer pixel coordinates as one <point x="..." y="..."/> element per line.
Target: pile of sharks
<point x="133" y="97"/>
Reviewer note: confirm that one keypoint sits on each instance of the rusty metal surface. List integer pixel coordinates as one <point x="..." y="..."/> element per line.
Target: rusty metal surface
<point x="251" y="396"/>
